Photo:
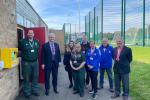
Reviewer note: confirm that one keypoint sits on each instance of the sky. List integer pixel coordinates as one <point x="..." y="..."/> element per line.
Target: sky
<point x="55" y="12"/>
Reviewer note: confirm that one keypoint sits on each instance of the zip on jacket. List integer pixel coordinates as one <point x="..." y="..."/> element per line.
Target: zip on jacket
<point x="93" y="59"/>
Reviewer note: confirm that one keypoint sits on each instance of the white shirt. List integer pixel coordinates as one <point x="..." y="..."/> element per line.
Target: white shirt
<point x="92" y="50"/>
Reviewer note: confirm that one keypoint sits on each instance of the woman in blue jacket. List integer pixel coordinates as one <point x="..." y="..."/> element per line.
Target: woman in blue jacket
<point x="92" y="60"/>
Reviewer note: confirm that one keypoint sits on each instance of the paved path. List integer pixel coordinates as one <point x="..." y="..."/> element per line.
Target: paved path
<point x="67" y="94"/>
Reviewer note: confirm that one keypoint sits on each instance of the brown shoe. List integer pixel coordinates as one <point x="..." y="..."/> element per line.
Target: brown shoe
<point x="115" y="96"/>
<point x="125" y="98"/>
<point x="86" y="86"/>
<point x="100" y="87"/>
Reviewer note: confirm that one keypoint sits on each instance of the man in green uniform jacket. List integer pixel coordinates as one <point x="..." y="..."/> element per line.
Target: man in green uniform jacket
<point x="28" y="50"/>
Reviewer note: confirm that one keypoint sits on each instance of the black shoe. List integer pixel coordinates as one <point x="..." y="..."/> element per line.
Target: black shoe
<point x="36" y="94"/>
<point x="94" y="96"/>
<point x="28" y="96"/>
<point x="47" y="92"/>
<point x="91" y="91"/>
<point x="81" y="95"/>
<point x="73" y="88"/>
<point x="56" y="91"/>
<point x="71" y="85"/>
<point x="75" y="92"/>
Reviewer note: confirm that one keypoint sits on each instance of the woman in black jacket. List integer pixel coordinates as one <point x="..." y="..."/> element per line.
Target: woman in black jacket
<point x="68" y="52"/>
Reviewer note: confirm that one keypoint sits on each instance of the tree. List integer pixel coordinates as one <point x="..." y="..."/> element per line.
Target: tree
<point x="51" y="29"/>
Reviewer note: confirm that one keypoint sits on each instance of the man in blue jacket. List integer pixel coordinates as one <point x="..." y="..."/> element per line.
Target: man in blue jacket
<point x="92" y="60"/>
<point x="107" y="57"/>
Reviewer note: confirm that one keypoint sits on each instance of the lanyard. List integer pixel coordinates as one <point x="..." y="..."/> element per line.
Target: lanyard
<point x="71" y="52"/>
<point x="92" y="53"/>
<point x="76" y="56"/>
<point x="53" y="47"/>
<point x="84" y="47"/>
<point x="105" y="50"/>
<point x="118" y="53"/>
<point x="31" y="44"/>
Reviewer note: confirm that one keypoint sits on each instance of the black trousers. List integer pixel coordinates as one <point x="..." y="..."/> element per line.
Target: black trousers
<point x="93" y="76"/>
<point x="125" y="82"/>
<point x="87" y="79"/>
<point x="47" y="72"/>
<point x="70" y="77"/>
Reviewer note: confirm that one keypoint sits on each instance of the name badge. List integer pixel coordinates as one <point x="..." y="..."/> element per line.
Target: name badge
<point x="91" y="58"/>
<point x="117" y="59"/>
<point x="32" y="50"/>
<point x="75" y="62"/>
<point x="83" y="51"/>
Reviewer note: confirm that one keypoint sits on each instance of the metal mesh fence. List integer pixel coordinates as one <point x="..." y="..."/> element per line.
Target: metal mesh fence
<point x="98" y="23"/>
<point x="111" y="20"/>
<point x="67" y="32"/>
<point x="129" y="19"/>
<point x="134" y="22"/>
<point x="147" y="24"/>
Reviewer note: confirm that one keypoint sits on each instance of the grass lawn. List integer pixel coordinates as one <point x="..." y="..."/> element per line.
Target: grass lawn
<point x="140" y="73"/>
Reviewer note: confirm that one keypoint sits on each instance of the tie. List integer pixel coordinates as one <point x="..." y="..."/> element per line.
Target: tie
<point x="53" y="52"/>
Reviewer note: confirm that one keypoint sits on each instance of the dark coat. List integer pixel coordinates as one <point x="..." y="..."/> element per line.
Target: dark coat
<point x="125" y="58"/>
<point x="87" y="46"/>
<point x="66" y="61"/>
<point x="46" y="55"/>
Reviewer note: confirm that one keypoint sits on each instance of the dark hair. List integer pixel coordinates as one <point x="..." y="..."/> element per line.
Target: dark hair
<point x="68" y="46"/>
<point x="29" y="30"/>
<point x="70" y="41"/>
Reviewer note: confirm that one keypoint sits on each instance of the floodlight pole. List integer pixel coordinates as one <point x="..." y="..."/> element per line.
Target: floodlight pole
<point x="79" y="16"/>
<point x="143" y="44"/>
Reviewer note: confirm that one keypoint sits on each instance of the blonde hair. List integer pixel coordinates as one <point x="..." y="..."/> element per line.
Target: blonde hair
<point x="78" y="45"/>
<point x="68" y="47"/>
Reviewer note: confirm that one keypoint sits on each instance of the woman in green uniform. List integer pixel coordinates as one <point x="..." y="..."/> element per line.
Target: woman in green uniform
<point x="77" y="62"/>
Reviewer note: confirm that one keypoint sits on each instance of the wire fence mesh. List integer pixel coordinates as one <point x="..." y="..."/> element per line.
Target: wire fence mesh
<point x="114" y="18"/>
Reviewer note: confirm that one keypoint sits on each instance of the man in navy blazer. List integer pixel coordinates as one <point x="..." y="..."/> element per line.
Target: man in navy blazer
<point x="50" y="60"/>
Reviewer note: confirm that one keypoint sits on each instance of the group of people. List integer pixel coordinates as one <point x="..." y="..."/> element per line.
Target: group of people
<point x="86" y="58"/>
<point x="79" y="60"/>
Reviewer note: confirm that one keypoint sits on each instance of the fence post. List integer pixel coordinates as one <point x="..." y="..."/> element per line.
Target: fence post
<point x="70" y="31"/>
<point x="143" y="23"/>
<point x="64" y="34"/>
<point x="101" y="21"/>
<point x="85" y="25"/>
<point x="97" y="29"/>
<point x="94" y="23"/>
<point x="89" y="26"/>
<point x="124" y="30"/>
<point x="121" y="18"/>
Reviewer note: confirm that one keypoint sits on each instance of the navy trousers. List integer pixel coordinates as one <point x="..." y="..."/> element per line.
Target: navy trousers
<point x="47" y="72"/>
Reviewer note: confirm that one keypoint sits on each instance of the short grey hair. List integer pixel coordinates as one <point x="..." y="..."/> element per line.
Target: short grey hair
<point x="120" y="38"/>
<point x="84" y="36"/>
<point x="105" y="38"/>
<point x="51" y="34"/>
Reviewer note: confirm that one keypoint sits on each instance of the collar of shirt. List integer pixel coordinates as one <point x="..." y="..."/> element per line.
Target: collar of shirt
<point x="84" y="43"/>
<point x="92" y="50"/>
<point x="120" y="47"/>
<point x="52" y="43"/>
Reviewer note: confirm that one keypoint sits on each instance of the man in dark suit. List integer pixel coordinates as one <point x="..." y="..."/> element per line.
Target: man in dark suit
<point x="50" y="60"/>
<point x="123" y="58"/>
